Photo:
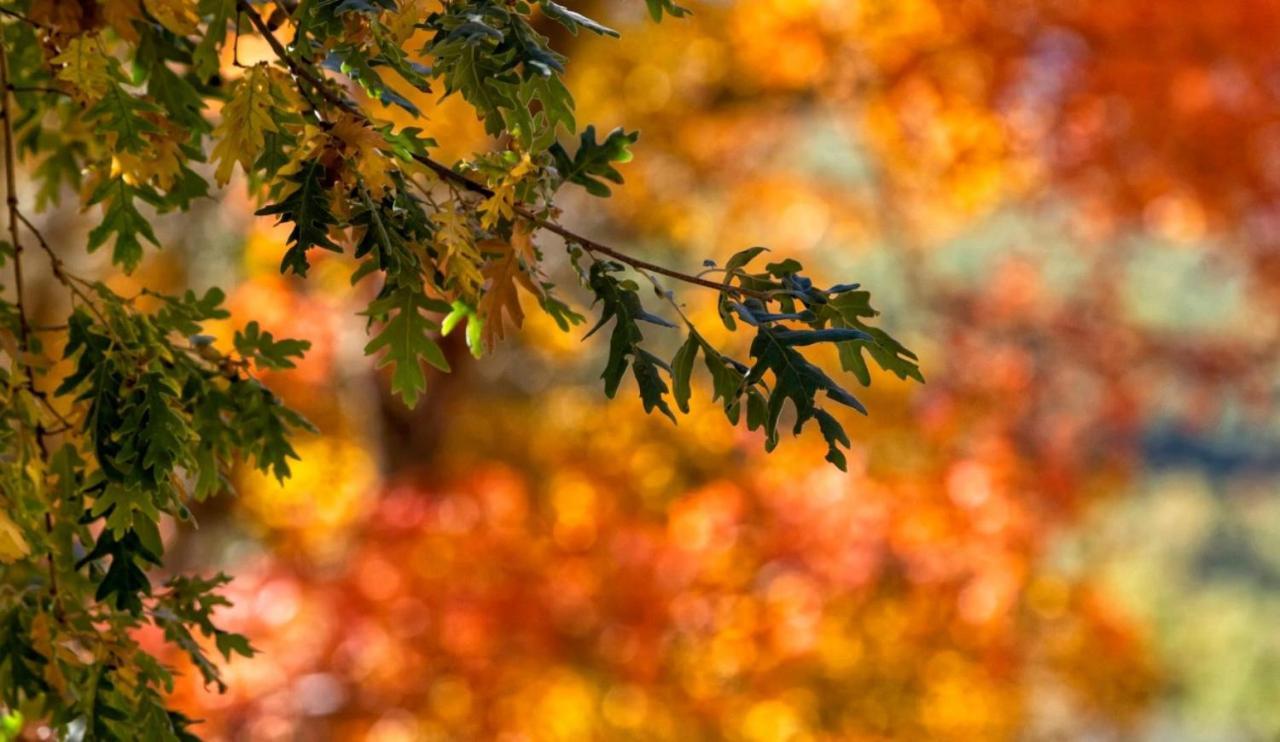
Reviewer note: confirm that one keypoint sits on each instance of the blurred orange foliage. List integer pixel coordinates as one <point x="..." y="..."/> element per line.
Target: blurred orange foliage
<point x="548" y="566"/>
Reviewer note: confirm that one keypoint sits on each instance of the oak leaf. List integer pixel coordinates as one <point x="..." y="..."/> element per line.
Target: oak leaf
<point x="86" y="66"/>
<point x="503" y="274"/>
<point x="246" y="119"/>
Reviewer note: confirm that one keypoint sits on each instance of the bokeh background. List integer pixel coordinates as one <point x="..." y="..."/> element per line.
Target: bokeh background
<point x="1072" y="531"/>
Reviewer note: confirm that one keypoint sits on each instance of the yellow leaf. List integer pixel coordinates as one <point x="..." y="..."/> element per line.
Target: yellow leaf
<point x="179" y="16"/>
<point x="363" y="146"/>
<point x="12" y="544"/>
<point x="458" y="257"/>
<point x="86" y="66"/>
<point x="160" y="162"/>
<point x="522" y="244"/>
<point x="401" y="23"/>
<point x="246" y="119"/>
<point x="311" y="139"/>
<point x="499" y="206"/>
<point x="522" y="168"/>
<point x="502" y="298"/>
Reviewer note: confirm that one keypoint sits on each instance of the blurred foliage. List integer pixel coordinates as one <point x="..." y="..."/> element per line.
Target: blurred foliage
<point x="587" y="576"/>
<point x="1066" y="209"/>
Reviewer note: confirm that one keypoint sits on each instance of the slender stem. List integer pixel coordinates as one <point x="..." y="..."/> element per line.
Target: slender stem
<point x="25" y="19"/>
<point x="11" y="201"/>
<point x="449" y="175"/>
<point x="36" y="89"/>
<point x="24" y="327"/>
<point x="66" y="278"/>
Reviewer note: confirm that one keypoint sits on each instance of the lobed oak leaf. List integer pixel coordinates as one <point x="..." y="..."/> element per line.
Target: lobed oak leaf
<point x="458" y="257"/>
<point x="363" y="145"/>
<point x="246" y="119"/>
<point x="503" y="274"/>
<point x="87" y="67"/>
<point x="522" y="244"/>
<point x="159" y="163"/>
<point x="402" y="23"/>
<point x="499" y="206"/>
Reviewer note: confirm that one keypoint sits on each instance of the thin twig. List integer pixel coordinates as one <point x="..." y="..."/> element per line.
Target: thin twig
<point x="37" y="89"/>
<point x="25" y="19"/>
<point x="24" y="328"/>
<point x="451" y="176"/>
<point x="60" y="272"/>
<point x="11" y="201"/>
<point x="44" y="400"/>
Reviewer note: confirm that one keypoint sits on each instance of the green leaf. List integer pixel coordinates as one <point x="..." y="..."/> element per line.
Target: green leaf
<point x="742" y="257"/>
<point x="21" y="665"/>
<point x="154" y="434"/>
<point x="835" y="436"/>
<point x="124" y="581"/>
<point x="122" y="219"/>
<point x="682" y="370"/>
<point x="179" y="98"/>
<point x="795" y="379"/>
<point x="475" y="324"/>
<point x="653" y="390"/>
<point x="120" y="114"/>
<point x="810" y="337"/>
<point x="658" y="7"/>
<point x="263" y="425"/>
<point x="406" y="338"/>
<point x="265" y="350"/>
<point x="229" y="643"/>
<point x="847" y="310"/>
<point x="572" y="20"/>
<point x="621" y="303"/>
<point x="307" y="206"/>
<point x="205" y="56"/>
<point x="592" y="164"/>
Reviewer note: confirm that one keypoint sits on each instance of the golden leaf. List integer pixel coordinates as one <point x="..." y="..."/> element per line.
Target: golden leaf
<point x="502" y="298"/>
<point x="86" y="66"/>
<point x="246" y="119"/>
<point x="363" y="145"/>
<point x="522" y="244"/>
<point x="458" y="258"/>
<point x="13" y="546"/>
<point x="401" y="23"/>
<point x="160" y="163"/>
<point x="179" y="16"/>
<point x="499" y="206"/>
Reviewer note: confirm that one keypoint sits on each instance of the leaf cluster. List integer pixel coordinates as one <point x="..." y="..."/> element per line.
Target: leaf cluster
<point x="130" y="107"/>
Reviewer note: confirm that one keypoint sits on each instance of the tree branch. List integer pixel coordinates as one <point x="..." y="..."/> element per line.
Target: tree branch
<point x="11" y="201"/>
<point x="447" y="173"/>
<point x="24" y="327"/>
